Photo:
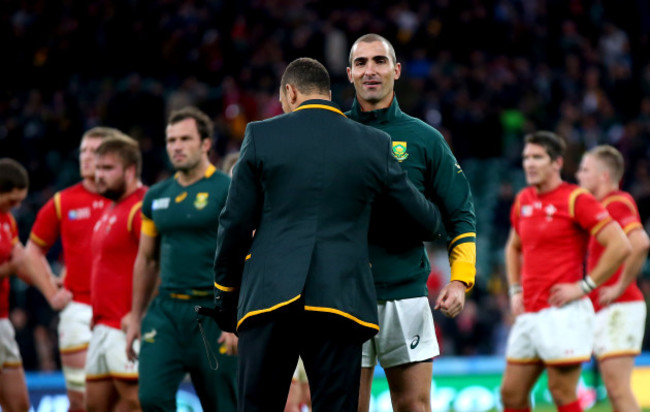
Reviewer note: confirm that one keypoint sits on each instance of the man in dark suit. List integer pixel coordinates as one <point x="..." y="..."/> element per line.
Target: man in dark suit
<point x="302" y="285"/>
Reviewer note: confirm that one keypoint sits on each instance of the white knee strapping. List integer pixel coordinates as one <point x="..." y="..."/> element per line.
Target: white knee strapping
<point x="75" y="378"/>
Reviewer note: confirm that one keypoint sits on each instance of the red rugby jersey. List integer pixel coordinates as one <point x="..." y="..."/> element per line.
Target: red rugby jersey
<point x="622" y="207"/>
<point x="114" y="247"/>
<point x="71" y="213"/>
<point x="554" y="228"/>
<point x="8" y="239"/>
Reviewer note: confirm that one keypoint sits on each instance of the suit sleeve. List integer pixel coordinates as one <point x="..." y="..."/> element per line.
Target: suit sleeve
<point x="238" y="219"/>
<point x="450" y="191"/>
<point x="401" y="190"/>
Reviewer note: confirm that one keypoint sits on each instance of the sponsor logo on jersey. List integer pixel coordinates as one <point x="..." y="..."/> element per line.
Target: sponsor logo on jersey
<point x="415" y="342"/>
<point x="526" y="210"/>
<point x="201" y="200"/>
<point x="162" y="203"/>
<point x="399" y="151"/>
<point x="78" y="214"/>
<point x="180" y="197"/>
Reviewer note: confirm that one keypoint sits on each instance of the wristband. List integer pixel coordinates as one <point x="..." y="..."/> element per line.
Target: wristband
<point x="587" y="285"/>
<point x="514" y="289"/>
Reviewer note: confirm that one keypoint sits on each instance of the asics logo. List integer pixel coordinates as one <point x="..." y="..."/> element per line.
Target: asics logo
<point x="415" y="342"/>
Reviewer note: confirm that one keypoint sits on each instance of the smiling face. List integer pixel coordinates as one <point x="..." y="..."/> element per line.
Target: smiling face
<point x="540" y="170"/>
<point x="373" y="74"/>
<point x="185" y="148"/>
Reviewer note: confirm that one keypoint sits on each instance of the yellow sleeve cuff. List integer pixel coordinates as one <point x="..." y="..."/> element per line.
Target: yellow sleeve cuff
<point x="224" y="288"/>
<point x="148" y="227"/>
<point x="464" y="272"/>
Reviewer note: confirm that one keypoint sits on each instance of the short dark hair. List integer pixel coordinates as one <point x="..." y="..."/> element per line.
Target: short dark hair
<point x="12" y="175"/>
<point x="371" y="38"/>
<point x="126" y="148"/>
<point x="551" y="142"/>
<point x="307" y="75"/>
<point x="611" y="158"/>
<point x="204" y="124"/>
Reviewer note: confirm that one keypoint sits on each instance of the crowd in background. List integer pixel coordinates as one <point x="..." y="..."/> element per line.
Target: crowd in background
<point x="483" y="72"/>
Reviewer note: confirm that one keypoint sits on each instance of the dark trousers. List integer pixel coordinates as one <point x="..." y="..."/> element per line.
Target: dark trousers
<point x="268" y="354"/>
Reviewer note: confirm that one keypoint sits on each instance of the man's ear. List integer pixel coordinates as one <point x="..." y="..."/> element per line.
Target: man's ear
<point x="292" y="93"/>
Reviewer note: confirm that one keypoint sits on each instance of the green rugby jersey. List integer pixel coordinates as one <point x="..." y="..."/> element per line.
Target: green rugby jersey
<point x="400" y="265"/>
<point x="187" y="221"/>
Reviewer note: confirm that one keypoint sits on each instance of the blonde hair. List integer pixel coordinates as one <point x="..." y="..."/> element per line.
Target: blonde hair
<point x="612" y="159"/>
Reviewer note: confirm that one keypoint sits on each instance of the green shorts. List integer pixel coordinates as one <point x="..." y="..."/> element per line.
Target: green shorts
<point x="172" y="346"/>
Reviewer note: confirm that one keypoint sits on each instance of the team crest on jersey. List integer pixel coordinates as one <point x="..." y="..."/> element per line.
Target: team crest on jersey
<point x="399" y="151"/>
<point x="201" y="200"/>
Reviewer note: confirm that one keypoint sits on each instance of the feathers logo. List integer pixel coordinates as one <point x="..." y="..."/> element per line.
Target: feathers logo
<point x="399" y="151"/>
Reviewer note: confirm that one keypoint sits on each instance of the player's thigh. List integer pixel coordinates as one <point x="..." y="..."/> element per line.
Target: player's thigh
<point x="616" y="372"/>
<point x="13" y="390"/>
<point x="563" y="382"/>
<point x="406" y="334"/>
<point x="128" y="392"/>
<point x="518" y="380"/>
<point x="161" y="362"/>
<point x="410" y="385"/>
<point x="619" y="330"/>
<point x="101" y="395"/>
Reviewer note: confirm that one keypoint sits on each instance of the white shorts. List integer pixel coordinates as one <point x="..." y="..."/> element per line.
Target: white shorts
<point x="74" y="327"/>
<point x="9" y="353"/>
<point x="554" y="336"/>
<point x="107" y="356"/>
<point x="619" y="329"/>
<point x="406" y="334"/>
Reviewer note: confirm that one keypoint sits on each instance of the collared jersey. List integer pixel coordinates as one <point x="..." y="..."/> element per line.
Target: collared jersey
<point x="114" y="246"/>
<point x="71" y="213"/>
<point x="8" y="239"/>
<point x="554" y="228"/>
<point x="400" y="264"/>
<point x="622" y="207"/>
<point x="187" y="220"/>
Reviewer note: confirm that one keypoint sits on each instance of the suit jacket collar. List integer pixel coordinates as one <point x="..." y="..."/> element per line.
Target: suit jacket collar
<point x="319" y="104"/>
<point x="378" y="116"/>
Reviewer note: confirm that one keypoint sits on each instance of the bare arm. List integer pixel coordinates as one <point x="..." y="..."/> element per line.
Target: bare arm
<point x="632" y="267"/>
<point x="513" y="272"/>
<point x="145" y="277"/>
<point x="40" y="275"/>
<point x="617" y="248"/>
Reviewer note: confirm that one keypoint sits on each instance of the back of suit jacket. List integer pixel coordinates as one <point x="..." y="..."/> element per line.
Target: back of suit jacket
<point x="305" y="183"/>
